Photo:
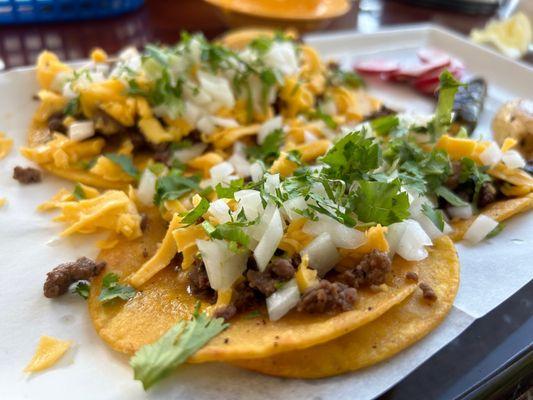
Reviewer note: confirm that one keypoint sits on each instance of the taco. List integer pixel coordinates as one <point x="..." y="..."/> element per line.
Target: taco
<point x="397" y="329"/>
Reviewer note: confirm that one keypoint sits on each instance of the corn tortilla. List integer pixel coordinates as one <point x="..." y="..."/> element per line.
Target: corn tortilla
<point x="500" y="211"/>
<point x="164" y="300"/>
<point x="399" y="328"/>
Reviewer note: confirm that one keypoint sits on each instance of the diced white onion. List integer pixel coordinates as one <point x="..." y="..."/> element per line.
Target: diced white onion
<point x="146" y="188"/>
<point x="269" y="242"/>
<point x="309" y="137"/>
<point x="282" y="56"/>
<point x="220" y="210"/>
<point x="322" y="253"/>
<point x="220" y="172"/>
<point x="218" y="88"/>
<point x="251" y="203"/>
<point x="271" y="183"/>
<point x="258" y="230"/>
<point x="256" y="172"/>
<point x="512" y="159"/>
<point x="205" y="125"/>
<point x="187" y="154"/>
<point x="429" y="227"/>
<point x="341" y="235"/>
<point x="416" y="201"/>
<point x="283" y="300"/>
<point x="491" y="155"/>
<point x="223" y="266"/>
<point x="329" y="107"/>
<point x="290" y="206"/>
<point x="225" y="122"/>
<point x="239" y="160"/>
<point x="480" y="228"/>
<point x="82" y="130"/>
<point x="408" y="239"/>
<point x="461" y="212"/>
<point x="267" y="127"/>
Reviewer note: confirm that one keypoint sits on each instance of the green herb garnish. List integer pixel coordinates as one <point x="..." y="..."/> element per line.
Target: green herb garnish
<point x="78" y="192"/>
<point x="434" y="215"/>
<point x="82" y="288"/>
<point x="111" y="289"/>
<point x="192" y="216"/>
<point x="174" y="185"/>
<point x="124" y="162"/>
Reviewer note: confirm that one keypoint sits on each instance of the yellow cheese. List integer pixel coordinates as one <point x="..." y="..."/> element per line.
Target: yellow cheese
<point x="375" y="240"/>
<point x="66" y="195"/>
<point x="3" y="201"/>
<point x="152" y="129"/>
<point x="6" y="144"/>
<point x="205" y="162"/>
<point x="508" y="144"/>
<point x="48" y="352"/>
<point x="49" y="103"/>
<point x="295" y="239"/>
<point x="296" y="96"/>
<point x="48" y="66"/>
<point x="60" y="146"/>
<point x="98" y="55"/>
<point x="164" y="254"/>
<point x="123" y="111"/>
<point x="305" y="276"/>
<point x="283" y="166"/>
<point x="186" y="243"/>
<point x="99" y="95"/>
<point x="112" y="210"/>
<point x="312" y="150"/>
<point x="226" y="137"/>
<point x="515" y="191"/>
<point x="110" y="171"/>
<point x="456" y="148"/>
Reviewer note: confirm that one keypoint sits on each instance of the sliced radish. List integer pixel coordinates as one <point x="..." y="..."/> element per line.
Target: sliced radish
<point x="377" y="66"/>
<point x="416" y="70"/>
<point x="429" y="55"/>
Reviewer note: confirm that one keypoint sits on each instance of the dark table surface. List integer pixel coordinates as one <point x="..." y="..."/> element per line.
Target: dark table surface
<point x="493" y="358"/>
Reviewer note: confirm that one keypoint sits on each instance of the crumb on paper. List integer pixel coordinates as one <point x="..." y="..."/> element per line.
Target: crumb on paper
<point x="49" y="351"/>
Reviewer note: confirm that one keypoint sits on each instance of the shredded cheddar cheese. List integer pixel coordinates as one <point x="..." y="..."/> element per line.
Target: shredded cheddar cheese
<point x="186" y="243"/>
<point x="49" y="351"/>
<point x="6" y="144"/>
<point x="305" y="276"/>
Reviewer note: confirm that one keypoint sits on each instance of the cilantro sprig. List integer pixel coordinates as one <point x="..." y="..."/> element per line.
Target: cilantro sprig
<point x="112" y="290"/>
<point x="174" y="185"/>
<point x="153" y="362"/>
<point x="125" y="162"/>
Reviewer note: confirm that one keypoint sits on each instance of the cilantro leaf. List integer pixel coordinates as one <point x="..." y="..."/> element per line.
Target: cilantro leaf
<point x="380" y="202"/>
<point x="471" y="172"/>
<point x="450" y="197"/>
<point x="229" y="231"/>
<point x="111" y="289"/>
<point x="78" y="192"/>
<point x="496" y="231"/>
<point x="339" y="77"/>
<point x="384" y="125"/>
<point x="124" y="162"/>
<point x="82" y="288"/>
<point x="155" y="361"/>
<point x="174" y="185"/>
<point x="227" y="191"/>
<point x="352" y="156"/>
<point x="443" y="114"/>
<point x="192" y="216"/>
<point x="434" y="215"/>
<point x="73" y="107"/>
<point x="326" y="118"/>
<point x="269" y="150"/>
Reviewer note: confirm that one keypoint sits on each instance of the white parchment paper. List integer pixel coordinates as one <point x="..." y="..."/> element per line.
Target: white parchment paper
<point x="491" y="272"/>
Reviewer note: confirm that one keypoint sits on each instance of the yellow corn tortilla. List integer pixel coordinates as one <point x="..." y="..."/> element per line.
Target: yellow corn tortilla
<point x="164" y="300"/>
<point x="500" y="211"/>
<point x="403" y="325"/>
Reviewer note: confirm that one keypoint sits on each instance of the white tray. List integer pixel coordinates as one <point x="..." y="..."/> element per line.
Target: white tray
<point x="92" y="371"/>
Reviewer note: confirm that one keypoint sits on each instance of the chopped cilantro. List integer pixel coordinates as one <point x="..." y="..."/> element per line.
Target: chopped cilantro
<point x="157" y="168"/>
<point x="227" y="191"/>
<point x="269" y="150"/>
<point x="450" y="197"/>
<point x="496" y="231"/>
<point x="229" y="231"/>
<point x="73" y="107"/>
<point x="380" y="202"/>
<point x="111" y="289"/>
<point x="384" y="125"/>
<point x="78" y="192"/>
<point x="352" y="156"/>
<point x="192" y="216"/>
<point x="470" y="172"/>
<point x="253" y="314"/>
<point x="125" y="162"/>
<point x="339" y="77"/>
<point x="82" y="288"/>
<point x="155" y="361"/>
<point x="326" y="118"/>
<point x="174" y="185"/>
<point x="443" y="114"/>
<point x="434" y="215"/>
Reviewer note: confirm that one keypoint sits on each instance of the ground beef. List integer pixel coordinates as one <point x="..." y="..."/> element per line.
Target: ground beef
<point x="162" y="153"/>
<point x="137" y="139"/>
<point x="282" y="268"/>
<point x="371" y="270"/>
<point x="176" y="261"/>
<point x="61" y="277"/>
<point x="411" y="276"/>
<point x="199" y="283"/>
<point x="427" y="292"/>
<point x="225" y="312"/>
<point x="327" y="297"/>
<point x="487" y="194"/>
<point x="245" y="297"/>
<point x="27" y="175"/>
<point x="55" y="123"/>
<point x="453" y="180"/>
<point x="382" y="112"/>
<point x="144" y="222"/>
